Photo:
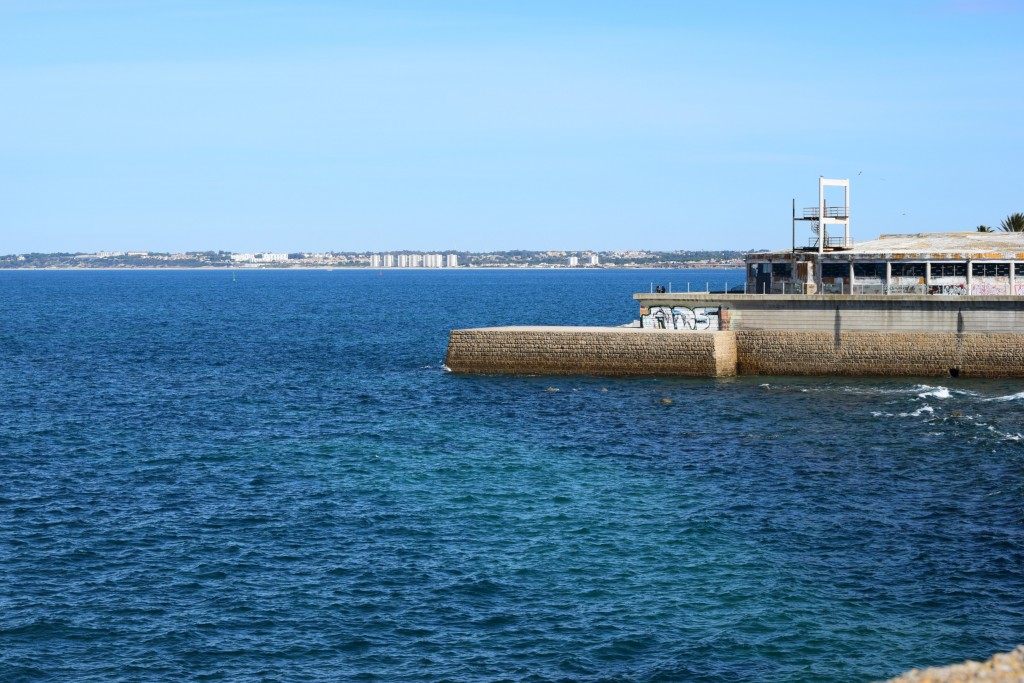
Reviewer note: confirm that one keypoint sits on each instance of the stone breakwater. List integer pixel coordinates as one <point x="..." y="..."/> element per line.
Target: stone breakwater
<point x="627" y="351"/>
<point x="590" y="351"/>
<point x="1001" y="668"/>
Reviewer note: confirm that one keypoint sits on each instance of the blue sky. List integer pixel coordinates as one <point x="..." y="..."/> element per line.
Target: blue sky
<point x="307" y="125"/>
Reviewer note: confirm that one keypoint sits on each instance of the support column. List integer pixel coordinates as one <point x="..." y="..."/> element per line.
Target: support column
<point x="851" y="277"/>
<point x="888" y="275"/>
<point x="970" y="275"/>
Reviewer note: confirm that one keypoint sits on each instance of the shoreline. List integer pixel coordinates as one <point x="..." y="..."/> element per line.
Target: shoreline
<point x="362" y="268"/>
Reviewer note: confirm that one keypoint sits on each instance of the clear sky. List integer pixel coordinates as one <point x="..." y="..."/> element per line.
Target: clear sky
<point x="307" y="125"/>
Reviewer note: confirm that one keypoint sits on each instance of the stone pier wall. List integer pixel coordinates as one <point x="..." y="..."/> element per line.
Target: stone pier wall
<point x="889" y="354"/>
<point x="638" y="352"/>
<point x="590" y="351"/>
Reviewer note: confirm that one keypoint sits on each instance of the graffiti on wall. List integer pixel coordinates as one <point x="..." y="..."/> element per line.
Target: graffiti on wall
<point x="898" y="288"/>
<point x="990" y="288"/>
<point x="680" y="318"/>
<point x="958" y="289"/>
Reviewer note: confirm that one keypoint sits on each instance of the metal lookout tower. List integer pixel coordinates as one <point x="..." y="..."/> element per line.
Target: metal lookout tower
<point x="823" y="215"/>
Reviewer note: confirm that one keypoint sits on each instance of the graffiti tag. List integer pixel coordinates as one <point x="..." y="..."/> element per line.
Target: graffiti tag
<point x="681" y="318"/>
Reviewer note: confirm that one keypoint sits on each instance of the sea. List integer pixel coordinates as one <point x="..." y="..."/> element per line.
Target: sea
<point x="271" y="476"/>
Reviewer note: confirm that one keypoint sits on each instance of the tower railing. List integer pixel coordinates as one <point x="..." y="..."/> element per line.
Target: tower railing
<point x="829" y="242"/>
<point x="830" y="212"/>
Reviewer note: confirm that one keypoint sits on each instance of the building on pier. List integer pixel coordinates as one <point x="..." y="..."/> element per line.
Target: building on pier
<point x="941" y="263"/>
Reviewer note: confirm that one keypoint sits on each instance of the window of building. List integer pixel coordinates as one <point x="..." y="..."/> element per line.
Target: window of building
<point x="1018" y="268"/>
<point x="908" y="270"/>
<point x="833" y="270"/>
<point x="949" y="270"/>
<point x="990" y="269"/>
<point x="876" y="270"/>
<point x="782" y="270"/>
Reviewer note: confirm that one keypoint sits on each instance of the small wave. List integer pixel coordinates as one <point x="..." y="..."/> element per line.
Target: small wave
<point x="933" y="392"/>
<point x="1011" y="397"/>
<point x="1016" y="436"/>
<point x="918" y="389"/>
<point x="919" y="412"/>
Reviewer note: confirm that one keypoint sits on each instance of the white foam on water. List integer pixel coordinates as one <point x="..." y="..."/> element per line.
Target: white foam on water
<point x="923" y="390"/>
<point x="1006" y="435"/>
<point x="919" y="412"/>
<point x="1011" y="397"/>
<point x="933" y="392"/>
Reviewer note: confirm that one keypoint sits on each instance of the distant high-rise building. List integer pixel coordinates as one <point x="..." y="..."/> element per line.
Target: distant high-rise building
<point x="415" y="260"/>
<point x="403" y="261"/>
<point x="389" y="261"/>
<point x="573" y="261"/>
<point x="375" y="260"/>
<point x="453" y="260"/>
<point x="594" y="260"/>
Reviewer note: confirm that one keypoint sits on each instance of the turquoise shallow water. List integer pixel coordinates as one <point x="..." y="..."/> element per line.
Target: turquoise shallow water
<point x="276" y="479"/>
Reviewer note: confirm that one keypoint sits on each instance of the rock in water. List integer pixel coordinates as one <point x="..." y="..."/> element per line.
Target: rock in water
<point x="1006" y="667"/>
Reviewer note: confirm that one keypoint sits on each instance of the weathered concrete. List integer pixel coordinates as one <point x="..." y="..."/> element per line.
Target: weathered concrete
<point x="857" y="313"/>
<point x="643" y="352"/>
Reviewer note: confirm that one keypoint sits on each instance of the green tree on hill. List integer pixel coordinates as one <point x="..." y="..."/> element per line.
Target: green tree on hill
<point x="985" y="228"/>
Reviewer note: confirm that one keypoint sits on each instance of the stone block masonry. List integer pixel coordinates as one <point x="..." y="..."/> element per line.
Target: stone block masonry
<point x="638" y="352"/>
<point x="886" y="354"/>
<point x="608" y="351"/>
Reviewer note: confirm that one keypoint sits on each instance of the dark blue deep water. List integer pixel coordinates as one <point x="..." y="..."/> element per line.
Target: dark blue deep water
<point x="275" y="479"/>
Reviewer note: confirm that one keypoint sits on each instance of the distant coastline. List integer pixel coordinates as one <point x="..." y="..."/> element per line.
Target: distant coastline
<point x="400" y="260"/>
<point x="688" y="266"/>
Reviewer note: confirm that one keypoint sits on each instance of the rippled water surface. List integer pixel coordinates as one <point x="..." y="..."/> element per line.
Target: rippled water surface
<point x="275" y="479"/>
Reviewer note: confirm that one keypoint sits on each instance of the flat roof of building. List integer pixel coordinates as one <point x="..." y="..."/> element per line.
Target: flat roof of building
<point x="931" y="245"/>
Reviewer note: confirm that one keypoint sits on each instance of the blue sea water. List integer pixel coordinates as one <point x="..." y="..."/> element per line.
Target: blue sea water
<point x="274" y="478"/>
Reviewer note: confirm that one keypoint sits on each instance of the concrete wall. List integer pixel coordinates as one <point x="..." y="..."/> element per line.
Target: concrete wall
<point x="639" y="352"/>
<point x="860" y="313"/>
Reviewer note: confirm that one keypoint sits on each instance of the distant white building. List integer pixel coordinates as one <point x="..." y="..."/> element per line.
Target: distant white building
<point x="271" y="258"/>
<point x="265" y="257"/>
<point x="594" y="260"/>
<point x="403" y="260"/>
<point x="388" y="261"/>
<point x="573" y="261"/>
<point x="453" y="260"/>
<point x="375" y="260"/>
